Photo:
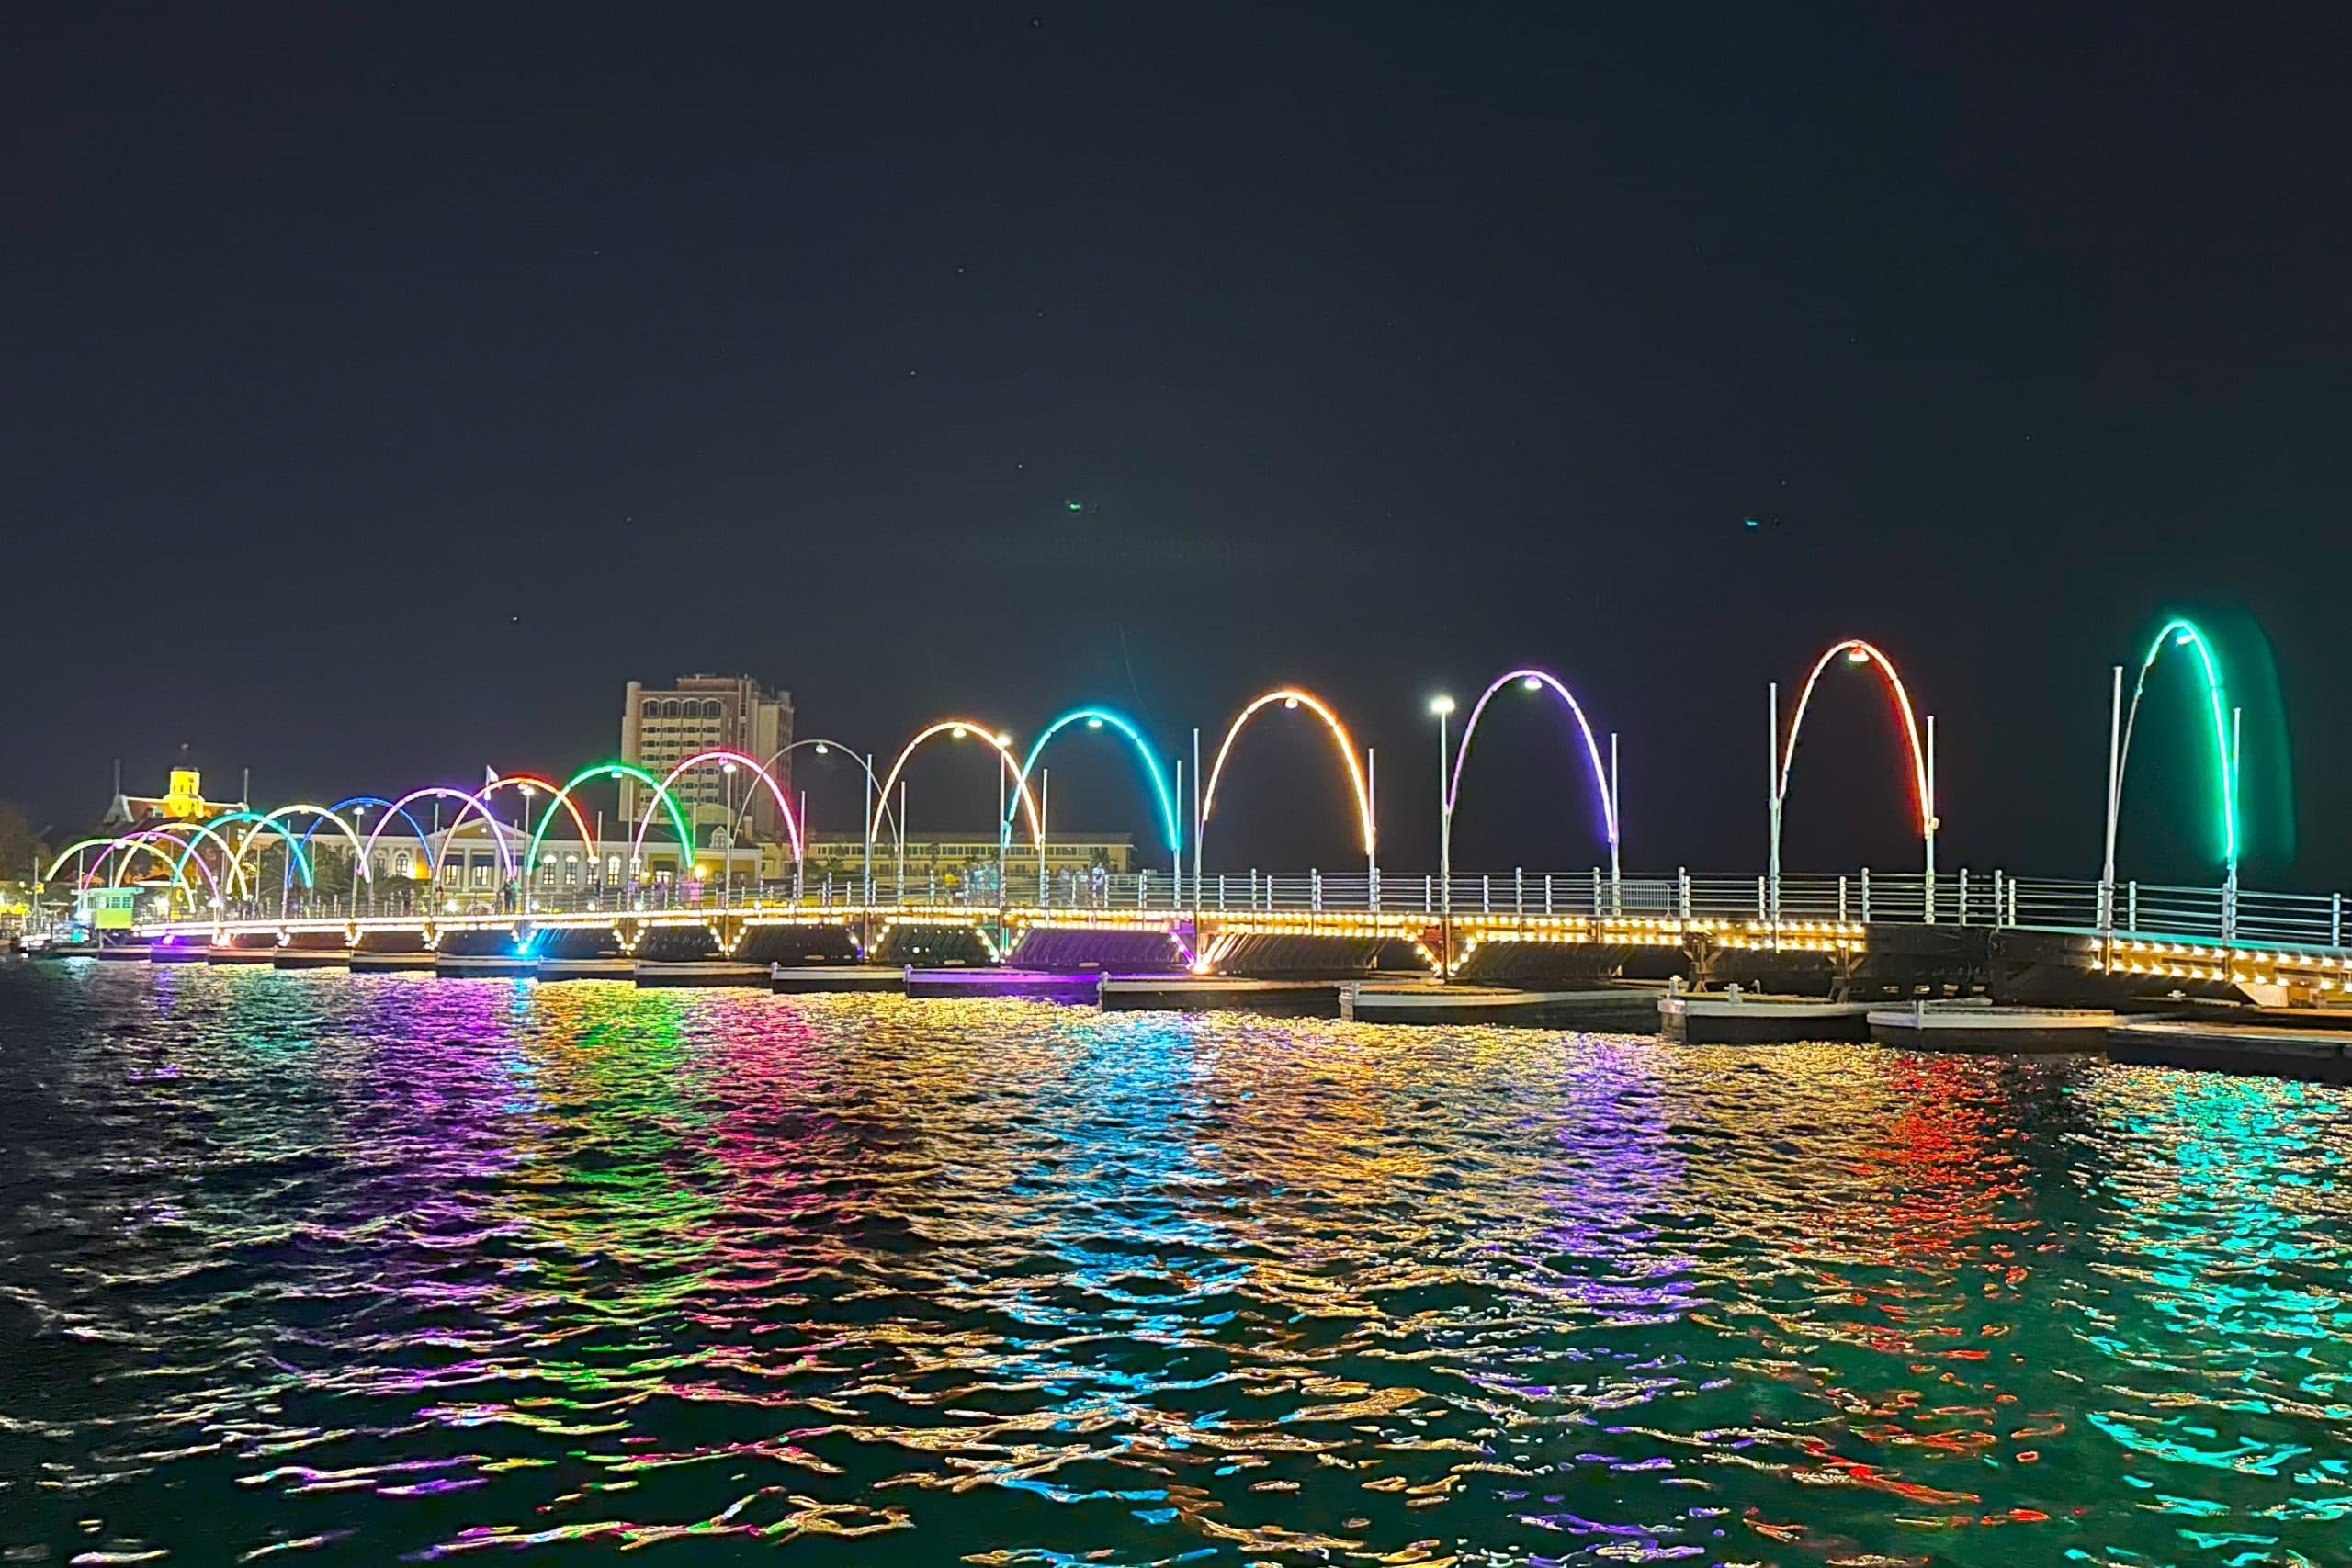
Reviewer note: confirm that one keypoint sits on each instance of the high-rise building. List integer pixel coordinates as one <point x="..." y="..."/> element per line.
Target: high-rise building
<point x="663" y="725"/>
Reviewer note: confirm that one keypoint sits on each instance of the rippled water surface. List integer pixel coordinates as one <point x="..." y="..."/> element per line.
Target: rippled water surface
<point x="391" y="1266"/>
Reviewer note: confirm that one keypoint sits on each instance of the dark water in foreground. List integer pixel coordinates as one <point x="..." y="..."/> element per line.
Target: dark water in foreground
<point x="309" y="1268"/>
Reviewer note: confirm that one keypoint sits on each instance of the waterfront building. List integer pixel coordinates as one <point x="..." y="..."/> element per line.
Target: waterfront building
<point x="663" y="725"/>
<point x="952" y="858"/>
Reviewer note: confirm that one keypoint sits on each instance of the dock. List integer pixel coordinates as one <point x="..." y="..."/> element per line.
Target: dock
<point x="2269" y="1049"/>
<point x="1220" y="993"/>
<point x="702" y="972"/>
<point x="1078" y="986"/>
<point x="823" y="980"/>
<point x="1733" y="1018"/>
<point x="1972" y="1025"/>
<point x="1603" y="1010"/>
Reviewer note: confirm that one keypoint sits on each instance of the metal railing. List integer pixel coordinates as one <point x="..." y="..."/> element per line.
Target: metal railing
<point x="2134" y="909"/>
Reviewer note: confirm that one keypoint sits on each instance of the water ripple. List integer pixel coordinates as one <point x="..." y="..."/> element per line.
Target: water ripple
<point x="371" y="1268"/>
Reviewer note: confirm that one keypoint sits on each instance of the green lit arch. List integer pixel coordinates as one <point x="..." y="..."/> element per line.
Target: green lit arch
<point x="2179" y="632"/>
<point x="612" y="771"/>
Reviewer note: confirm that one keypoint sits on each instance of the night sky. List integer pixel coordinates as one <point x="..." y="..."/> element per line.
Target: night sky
<point x="387" y="386"/>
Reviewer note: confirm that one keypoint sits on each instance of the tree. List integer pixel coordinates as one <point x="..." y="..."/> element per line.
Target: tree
<point x="20" y="846"/>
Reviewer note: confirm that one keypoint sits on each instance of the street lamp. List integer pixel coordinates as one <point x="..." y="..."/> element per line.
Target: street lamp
<point x="727" y="892"/>
<point x="522" y="892"/>
<point x="824" y="747"/>
<point x="1444" y="707"/>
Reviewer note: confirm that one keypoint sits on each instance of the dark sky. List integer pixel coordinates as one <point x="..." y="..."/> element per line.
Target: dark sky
<point x="385" y="386"/>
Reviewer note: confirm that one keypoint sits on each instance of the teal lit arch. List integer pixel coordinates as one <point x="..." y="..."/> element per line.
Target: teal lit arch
<point x="2182" y="632"/>
<point x="1162" y="796"/>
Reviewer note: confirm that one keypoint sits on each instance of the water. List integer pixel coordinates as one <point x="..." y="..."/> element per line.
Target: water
<point x="322" y="1268"/>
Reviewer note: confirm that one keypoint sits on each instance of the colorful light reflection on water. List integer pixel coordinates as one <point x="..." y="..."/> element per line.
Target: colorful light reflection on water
<point x="385" y="1268"/>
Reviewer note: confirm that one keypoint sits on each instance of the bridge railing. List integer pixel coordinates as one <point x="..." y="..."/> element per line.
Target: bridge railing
<point x="2143" y="911"/>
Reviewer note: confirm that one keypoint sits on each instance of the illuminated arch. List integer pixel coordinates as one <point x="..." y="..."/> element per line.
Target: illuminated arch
<point x="962" y="727"/>
<point x="765" y="777"/>
<point x="1162" y="796"/>
<point x="473" y="805"/>
<point x="1538" y="679"/>
<point x="270" y="819"/>
<point x="145" y="840"/>
<point x="2178" y="632"/>
<point x="351" y="800"/>
<point x="76" y="848"/>
<point x="196" y="832"/>
<point x="1856" y="652"/>
<point x="179" y="877"/>
<point x="533" y="781"/>
<point x="125" y="844"/>
<point x="259" y="821"/>
<point x="825" y="747"/>
<point x="1293" y="697"/>
<point x="612" y="771"/>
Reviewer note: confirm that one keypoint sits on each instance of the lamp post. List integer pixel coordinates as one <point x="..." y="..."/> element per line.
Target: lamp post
<point x="1003" y="834"/>
<point x="824" y="747"/>
<point x="1772" y="804"/>
<point x="522" y="893"/>
<point x="2114" y="799"/>
<point x="1927" y="817"/>
<point x="359" y="866"/>
<point x="726" y="889"/>
<point x="1442" y="707"/>
<point x="1045" y="801"/>
<point x="1616" y="830"/>
<point x="2230" y="875"/>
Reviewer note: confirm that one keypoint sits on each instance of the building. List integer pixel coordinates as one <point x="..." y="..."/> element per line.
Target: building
<point x="663" y="725"/>
<point x="475" y="862"/>
<point x="953" y="858"/>
<point x="182" y="801"/>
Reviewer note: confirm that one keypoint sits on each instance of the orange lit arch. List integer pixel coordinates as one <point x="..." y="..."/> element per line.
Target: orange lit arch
<point x="1291" y="696"/>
